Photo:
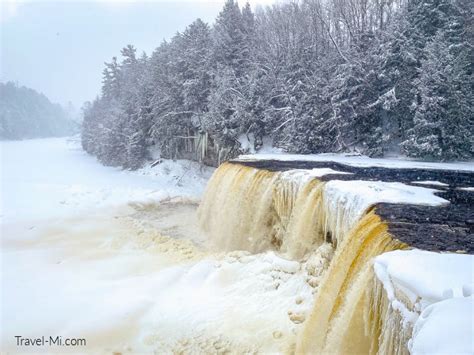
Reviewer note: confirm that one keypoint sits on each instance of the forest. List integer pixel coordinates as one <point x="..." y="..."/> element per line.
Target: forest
<point x="373" y="77"/>
<point x="25" y="113"/>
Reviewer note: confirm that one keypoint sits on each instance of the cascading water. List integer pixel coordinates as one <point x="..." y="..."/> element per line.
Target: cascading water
<point x="294" y="213"/>
<point x="255" y="210"/>
<point x="236" y="210"/>
<point x="337" y="323"/>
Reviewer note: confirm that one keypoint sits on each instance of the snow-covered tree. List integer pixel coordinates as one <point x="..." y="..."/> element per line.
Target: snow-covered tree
<point x="444" y="119"/>
<point x="25" y="113"/>
<point x="313" y="76"/>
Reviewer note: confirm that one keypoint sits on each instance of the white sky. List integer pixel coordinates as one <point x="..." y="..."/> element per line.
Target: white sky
<point x="59" y="47"/>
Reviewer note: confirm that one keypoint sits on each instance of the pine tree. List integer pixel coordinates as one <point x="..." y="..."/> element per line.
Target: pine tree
<point x="444" y="120"/>
<point x="229" y="39"/>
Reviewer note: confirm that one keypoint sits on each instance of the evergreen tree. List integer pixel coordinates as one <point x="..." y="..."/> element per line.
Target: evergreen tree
<point x="444" y="120"/>
<point x="25" y="113"/>
<point x="229" y="39"/>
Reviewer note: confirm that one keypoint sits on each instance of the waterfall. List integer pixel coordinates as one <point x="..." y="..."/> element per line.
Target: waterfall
<point x="295" y="213"/>
<point x="338" y="323"/>
<point x="255" y="210"/>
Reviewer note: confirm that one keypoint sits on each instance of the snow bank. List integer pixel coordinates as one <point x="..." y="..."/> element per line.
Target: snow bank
<point x="445" y="328"/>
<point x="361" y="161"/>
<point x="49" y="178"/>
<point x="439" y="287"/>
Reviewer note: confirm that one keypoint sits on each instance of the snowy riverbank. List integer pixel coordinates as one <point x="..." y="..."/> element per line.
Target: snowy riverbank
<point x="49" y="178"/>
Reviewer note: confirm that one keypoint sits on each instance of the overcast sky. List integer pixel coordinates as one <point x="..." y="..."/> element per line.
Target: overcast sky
<point x="58" y="48"/>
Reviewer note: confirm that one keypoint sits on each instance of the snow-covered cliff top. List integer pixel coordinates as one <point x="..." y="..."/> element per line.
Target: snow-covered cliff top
<point x="361" y="161"/>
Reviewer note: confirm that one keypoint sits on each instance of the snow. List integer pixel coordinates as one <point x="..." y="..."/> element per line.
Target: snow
<point x="302" y="176"/>
<point x="315" y="173"/>
<point x="367" y="193"/>
<point x="60" y="176"/>
<point x="347" y="201"/>
<point x="429" y="182"/>
<point x="439" y="286"/>
<point x="247" y="143"/>
<point x="445" y="327"/>
<point x="360" y="161"/>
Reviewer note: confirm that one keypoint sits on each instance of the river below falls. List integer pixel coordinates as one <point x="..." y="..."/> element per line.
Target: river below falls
<point x="142" y="278"/>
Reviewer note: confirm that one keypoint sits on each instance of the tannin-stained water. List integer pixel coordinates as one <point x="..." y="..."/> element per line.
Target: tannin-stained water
<point x="255" y="210"/>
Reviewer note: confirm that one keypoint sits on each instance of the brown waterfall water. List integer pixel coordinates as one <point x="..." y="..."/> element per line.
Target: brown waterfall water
<point x="256" y="210"/>
<point x="245" y="208"/>
<point x="337" y="323"/>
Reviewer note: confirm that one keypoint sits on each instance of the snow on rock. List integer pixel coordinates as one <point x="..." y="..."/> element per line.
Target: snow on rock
<point x="360" y="161"/>
<point x="304" y="175"/>
<point x="429" y="275"/>
<point x="347" y="201"/>
<point x="429" y="182"/>
<point x="445" y="327"/>
<point x="366" y="193"/>
<point x="439" y="286"/>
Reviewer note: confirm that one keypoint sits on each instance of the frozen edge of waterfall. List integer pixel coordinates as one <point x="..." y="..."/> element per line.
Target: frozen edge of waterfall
<point x="439" y="287"/>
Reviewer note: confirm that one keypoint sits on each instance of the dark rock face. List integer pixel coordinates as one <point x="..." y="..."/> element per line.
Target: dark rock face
<point x="444" y="228"/>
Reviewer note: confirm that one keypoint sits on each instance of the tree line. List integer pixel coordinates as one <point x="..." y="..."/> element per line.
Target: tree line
<point x="25" y="113"/>
<point x="376" y="77"/>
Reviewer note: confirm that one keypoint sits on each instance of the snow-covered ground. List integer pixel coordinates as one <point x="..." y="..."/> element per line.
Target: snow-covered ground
<point x="49" y="178"/>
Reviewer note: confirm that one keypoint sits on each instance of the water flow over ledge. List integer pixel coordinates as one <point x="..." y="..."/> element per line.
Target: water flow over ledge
<point x="291" y="212"/>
